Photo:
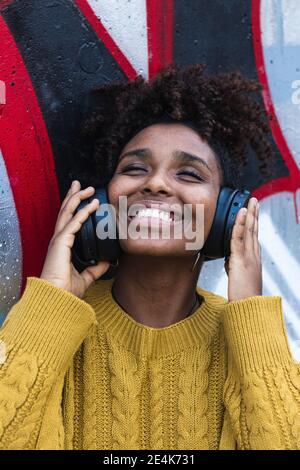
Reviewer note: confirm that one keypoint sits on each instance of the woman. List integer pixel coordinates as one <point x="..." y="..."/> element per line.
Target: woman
<point x="148" y="360"/>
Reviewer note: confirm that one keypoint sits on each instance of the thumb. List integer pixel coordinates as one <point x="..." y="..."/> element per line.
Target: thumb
<point x="92" y="273"/>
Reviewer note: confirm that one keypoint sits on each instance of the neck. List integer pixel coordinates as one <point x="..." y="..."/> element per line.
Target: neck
<point x="156" y="291"/>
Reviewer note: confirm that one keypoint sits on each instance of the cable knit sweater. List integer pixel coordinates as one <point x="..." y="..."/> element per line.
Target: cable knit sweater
<point x="83" y="374"/>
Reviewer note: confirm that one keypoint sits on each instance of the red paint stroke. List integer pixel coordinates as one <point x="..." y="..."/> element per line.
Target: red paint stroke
<point x="160" y="25"/>
<point x="28" y="158"/>
<point x="106" y="38"/>
<point x="290" y="183"/>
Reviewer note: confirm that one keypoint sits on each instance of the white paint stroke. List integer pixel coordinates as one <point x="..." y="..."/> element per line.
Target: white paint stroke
<point x="280" y="20"/>
<point x="10" y="245"/>
<point x="126" y="22"/>
<point x="286" y="263"/>
<point x="290" y="10"/>
<point x="268" y="22"/>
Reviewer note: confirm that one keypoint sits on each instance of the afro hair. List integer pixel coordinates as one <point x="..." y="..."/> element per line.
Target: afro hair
<point x="226" y="116"/>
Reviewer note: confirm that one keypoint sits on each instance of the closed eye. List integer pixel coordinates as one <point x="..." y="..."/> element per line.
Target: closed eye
<point x="137" y="168"/>
<point x="191" y="173"/>
<point x="133" y="168"/>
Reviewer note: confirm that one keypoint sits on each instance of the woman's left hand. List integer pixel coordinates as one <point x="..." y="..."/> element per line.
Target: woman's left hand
<point x="243" y="267"/>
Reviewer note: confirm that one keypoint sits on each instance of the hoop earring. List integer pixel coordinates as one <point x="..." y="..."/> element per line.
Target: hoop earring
<point x="197" y="259"/>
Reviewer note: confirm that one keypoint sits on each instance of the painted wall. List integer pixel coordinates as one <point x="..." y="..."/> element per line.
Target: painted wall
<point x="53" y="52"/>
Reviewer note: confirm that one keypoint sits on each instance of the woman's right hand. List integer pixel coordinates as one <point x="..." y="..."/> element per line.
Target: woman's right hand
<point x="58" y="268"/>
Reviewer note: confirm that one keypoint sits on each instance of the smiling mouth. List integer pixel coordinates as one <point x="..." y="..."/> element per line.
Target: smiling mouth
<point x="160" y="215"/>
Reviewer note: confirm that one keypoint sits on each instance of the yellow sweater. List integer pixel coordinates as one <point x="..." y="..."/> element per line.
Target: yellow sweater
<point x="82" y="374"/>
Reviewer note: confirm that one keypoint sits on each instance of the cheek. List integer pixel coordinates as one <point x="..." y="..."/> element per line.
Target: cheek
<point x="111" y="191"/>
<point x="209" y="200"/>
<point x="208" y="220"/>
<point x="115" y="189"/>
<point x="210" y="213"/>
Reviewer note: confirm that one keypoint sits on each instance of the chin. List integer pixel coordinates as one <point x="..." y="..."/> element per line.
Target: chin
<point x="153" y="247"/>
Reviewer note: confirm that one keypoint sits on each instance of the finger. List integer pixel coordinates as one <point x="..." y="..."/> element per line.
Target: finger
<point x="68" y="212"/>
<point x="255" y="233"/>
<point x="249" y="226"/>
<point x="237" y="237"/>
<point x="75" y="187"/>
<point x="92" y="273"/>
<point x="76" y="222"/>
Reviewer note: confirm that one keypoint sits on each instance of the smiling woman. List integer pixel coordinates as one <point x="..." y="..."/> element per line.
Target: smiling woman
<point x="167" y="165"/>
<point x="150" y="360"/>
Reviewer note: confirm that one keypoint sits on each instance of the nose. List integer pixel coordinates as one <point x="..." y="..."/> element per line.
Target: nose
<point x="157" y="183"/>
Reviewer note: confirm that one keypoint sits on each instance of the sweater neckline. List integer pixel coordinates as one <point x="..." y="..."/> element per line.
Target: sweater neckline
<point x="199" y="297"/>
<point x="196" y="330"/>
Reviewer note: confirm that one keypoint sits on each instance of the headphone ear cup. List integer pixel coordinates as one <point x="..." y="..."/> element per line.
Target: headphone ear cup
<point x="240" y="199"/>
<point x="230" y="201"/>
<point x="88" y="248"/>
<point x="108" y="248"/>
<point x="84" y="251"/>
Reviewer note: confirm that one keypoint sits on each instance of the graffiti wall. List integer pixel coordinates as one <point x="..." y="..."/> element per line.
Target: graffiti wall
<point x="53" y="52"/>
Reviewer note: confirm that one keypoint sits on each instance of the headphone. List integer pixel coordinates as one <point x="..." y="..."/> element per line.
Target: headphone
<point x="88" y="249"/>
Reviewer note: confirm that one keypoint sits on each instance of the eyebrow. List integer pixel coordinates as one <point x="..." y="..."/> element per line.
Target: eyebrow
<point x="178" y="155"/>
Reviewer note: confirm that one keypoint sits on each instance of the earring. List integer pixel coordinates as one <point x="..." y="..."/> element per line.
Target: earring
<point x="197" y="259"/>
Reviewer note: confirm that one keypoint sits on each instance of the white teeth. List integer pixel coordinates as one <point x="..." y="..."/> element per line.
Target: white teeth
<point x="154" y="213"/>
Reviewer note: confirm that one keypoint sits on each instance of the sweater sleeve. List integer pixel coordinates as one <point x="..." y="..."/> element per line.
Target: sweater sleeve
<point x="38" y="340"/>
<point x="262" y="388"/>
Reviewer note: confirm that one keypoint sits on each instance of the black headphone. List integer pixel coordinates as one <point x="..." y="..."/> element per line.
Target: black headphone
<point x="89" y="249"/>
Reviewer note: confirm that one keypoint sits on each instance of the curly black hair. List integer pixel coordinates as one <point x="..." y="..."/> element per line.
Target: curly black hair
<point x="227" y="118"/>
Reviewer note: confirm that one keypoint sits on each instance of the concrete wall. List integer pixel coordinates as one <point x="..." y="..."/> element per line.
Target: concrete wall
<point x="53" y="52"/>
